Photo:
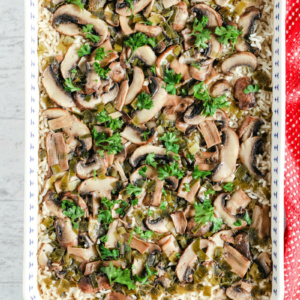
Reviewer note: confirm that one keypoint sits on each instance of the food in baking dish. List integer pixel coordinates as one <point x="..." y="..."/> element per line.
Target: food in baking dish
<point x="154" y="168"/>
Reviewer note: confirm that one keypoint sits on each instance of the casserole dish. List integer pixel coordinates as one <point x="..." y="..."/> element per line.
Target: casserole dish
<point x="32" y="144"/>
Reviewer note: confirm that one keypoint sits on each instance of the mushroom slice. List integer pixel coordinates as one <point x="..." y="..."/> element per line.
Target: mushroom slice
<point x="86" y="168"/>
<point x="264" y="264"/>
<point x="245" y="100"/>
<point x="181" y="68"/>
<point x="228" y="155"/>
<point x="185" y="265"/>
<point x="121" y="97"/>
<point x="261" y="221"/>
<point x="181" y="15"/>
<point x="158" y="225"/>
<point x="124" y="23"/>
<point x="239" y="59"/>
<point x="163" y="281"/>
<point x="135" y="134"/>
<point x="117" y="73"/>
<point x="141" y="153"/>
<point x="207" y="161"/>
<point x="179" y="221"/>
<point x="236" y="292"/>
<point x="200" y="73"/>
<point x="112" y="241"/>
<point x="58" y="118"/>
<point x="169" y="245"/>
<point x="55" y="89"/>
<point x="249" y="127"/>
<point x="150" y="173"/>
<point x="214" y="18"/>
<point x="123" y="8"/>
<point x="70" y="60"/>
<point x="214" y="75"/>
<point x="215" y="47"/>
<point x="238" y="202"/>
<point x="93" y="80"/>
<point x="53" y="204"/>
<point x="153" y="199"/>
<point x="169" y="3"/>
<point x="95" y="266"/>
<point x="182" y="191"/>
<point x="217" y="240"/>
<point x="111" y="94"/>
<point x="84" y="101"/>
<point x="159" y="97"/>
<point x="149" y="30"/>
<point x="195" y="229"/>
<point x="221" y="2"/>
<point x="241" y="243"/>
<point x="43" y="253"/>
<point x="85" y="284"/>
<point x="193" y="114"/>
<point x="139" y="245"/>
<point x="103" y="187"/>
<point x="66" y="237"/>
<point x="239" y="264"/>
<point x="136" y="85"/>
<point x="184" y="127"/>
<point x="210" y="133"/>
<point x="110" y="16"/>
<point x="115" y="296"/>
<point x="67" y="20"/>
<point x="246" y="24"/>
<point x="219" y="88"/>
<point x="56" y="150"/>
<point x="145" y="54"/>
<point x="249" y="149"/>
<point x="172" y="183"/>
<point x="221" y="118"/>
<point x="83" y="254"/>
<point x="221" y="212"/>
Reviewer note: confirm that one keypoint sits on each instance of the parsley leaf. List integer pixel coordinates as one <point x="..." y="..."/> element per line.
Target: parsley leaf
<point x="150" y="160"/>
<point x="170" y="170"/>
<point x="228" y="187"/>
<point x="209" y="192"/>
<point x="163" y="205"/>
<point x="104" y="238"/>
<point x="134" y="202"/>
<point x="87" y="30"/>
<point x="133" y="190"/>
<point x="104" y="252"/>
<point x="130" y="2"/>
<point x="111" y="144"/>
<point x="119" y="276"/>
<point x="145" y="134"/>
<point x="251" y="89"/>
<point x="202" y="35"/>
<point x="205" y="213"/>
<point x="69" y="87"/>
<point x="114" y="124"/>
<point x="151" y="41"/>
<point x="142" y="171"/>
<point x="100" y="53"/>
<point x="100" y="71"/>
<point x="194" y="64"/>
<point x="144" y="235"/>
<point x="144" y="101"/>
<point x="105" y="216"/>
<point x="201" y="92"/>
<point x="136" y="41"/>
<point x="152" y="69"/>
<point x="145" y="279"/>
<point x="76" y="2"/>
<point x="230" y="33"/>
<point x="95" y="175"/>
<point x="72" y="211"/>
<point x="197" y="174"/>
<point x="247" y="218"/>
<point x="187" y="187"/>
<point x="170" y="138"/>
<point x="84" y="50"/>
<point x="237" y="223"/>
<point x="171" y="79"/>
<point x="150" y="212"/>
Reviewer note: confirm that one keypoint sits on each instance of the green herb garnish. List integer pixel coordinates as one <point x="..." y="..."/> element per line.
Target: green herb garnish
<point x="170" y="138"/>
<point x="144" y="101"/>
<point x="170" y="170"/>
<point x="133" y="190"/>
<point x="202" y="35"/>
<point x="197" y="174"/>
<point x="171" y="79"/>
<point x="84" y="50"/>
<point x="72" y="211"/>
<point x="69" y="87"/>
<point x="87" y="30"/>
<point x="251" y="89"/>
<point x="111" y="144"/>
<point x="226" y="34"/>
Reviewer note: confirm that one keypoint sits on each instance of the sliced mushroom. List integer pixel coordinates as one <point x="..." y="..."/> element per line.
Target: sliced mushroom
<point x="111" y="94"/>
<point x="182" y="191"/>
<point x="102" y="187"/>
<point x="228" y="155"/>
<point x="121" y="97"/>
<point x="169" y="3"/>
<point x="171" y="183"/>
<point x="163" y="281"/>
<point x="68" y="19"/>
<point x="239" y="264"/>
<point x="217" y="240"/>
<point x="70" y="60"/>
<point x="65" y="235"/>
<point x="139" y="245"/>
<point x="83" y="254"/>
<point x="179" y="221"/>
<point x="145" y="54"/>
<point x="193" y="114"/>
<point x="149" y="30"/>
<point x="214" y="49"/>
<point x="264" y="264"/>
<point x="150" y="173"/>
<point x="194" y="230"/>
<point x="85" y="284"/>
<point x="135" y="134"/>
<point x="249" y="149"/>
<point x="207" y="161"/>
<point x="86" y="168"/>
<point x="124" y="23"/>
<point x="202" y="71"/>
<point x="239" y="59"/>
<point x="238" y="202"/>
<point x="53" y="204"/>
<point x="93" y="81"/>
<point x="136" y="85"/>
<point x="84" y="101"/>
<point x="221" y="212"/>
<point x="181" y="68"/>
<point x="157" y="225"/>
<point x="112" y="241"/>
<point x="181" y="16"/>
<point x="154" y="198"/>
<point x="261" y="221"/>
<point x="246" y="24"/>
<point x="43" y="253"/>
<point x="96" y="265"/>
<point x="55" y="89"/>
<point x="249" y="127"/>
<point x="246" y="100"/>
<point x="56" y="150"/>
<point x="214" y="75"/>
<point x="110" y="16"/>
<point x="236" y="292"/>
<point x="241" y="243"/>
<point x="185" y="265"/>
<point x="214" y="18"/>
<point x="210" y="133"/>
<point x="123" y="8"/>
<point x="58" y="118"/>
<point x="169" y="245"/>
<point x="219" y="88"/>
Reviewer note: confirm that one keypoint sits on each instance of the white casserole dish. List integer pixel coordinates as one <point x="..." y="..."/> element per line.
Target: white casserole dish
<point x="30" y="287"/>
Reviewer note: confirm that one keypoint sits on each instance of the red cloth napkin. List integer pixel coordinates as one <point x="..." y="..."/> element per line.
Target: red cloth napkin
<point x="292" y="156"/>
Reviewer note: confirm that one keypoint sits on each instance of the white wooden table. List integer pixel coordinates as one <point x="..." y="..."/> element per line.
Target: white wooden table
<point x="11" y="148"/>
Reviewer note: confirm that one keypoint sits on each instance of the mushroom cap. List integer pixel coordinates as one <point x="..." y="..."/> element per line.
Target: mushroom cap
<point x="123" y="7"/>
<point x="247" y="20"/>
<point x="157" y="225"/>
<point x="214" y="18"/>
<point x="136" y="85"/>
<point x="145" y="54"/>
<point x="249" y="127"/>
<point x="219" y="88"/>
<point x="65" y="235"/>
<point x="181" y="16"/>
<point x="70" y="60"/>
<point x="83" y="104"/>
<point x="135" y="134"/>
<point x="245" y="100"/>
<point x="53" y="204"/>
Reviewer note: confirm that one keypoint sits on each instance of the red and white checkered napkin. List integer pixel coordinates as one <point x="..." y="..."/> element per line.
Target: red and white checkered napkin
<point x="292" y="156"/>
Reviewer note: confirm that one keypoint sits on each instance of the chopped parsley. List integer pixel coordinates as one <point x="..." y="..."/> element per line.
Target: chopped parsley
<point x="251" y="89"/>
<point x="163" y="205"/>
<point x="76" y="2"/>
<point x="113" y="124"/>
<point x="228" y="187"/>
<point x="133" y="190"/>
<point x="103" y="238"/>
<point x="171" y="79"/>
<point x="144" y="101"/>
<point x="69" y="87"/>
<point x="144" y="234"/>
<point x="105" y="216"/>
<point x="134" y="202"/>
<point x="144" y="280"/>
<point x="88" y="29"/>
<point x="170" y="138"/>
<point x="187" y="187"/>
<point x="136" y="41"/>
<point x="197" y="174"/>
<point x="170" y="170"/>
<point x="226" y="34"/>
<point x="145" y="134"/>
<point x="100" y="53"/>
<point x="150" y="160"/>
<point x="72" y="211"/>
<point x="202" y="35"/>
<point x="104" y="252"/>
<point x="84" y="50"/>
<point x="237" y="223"/>
<point x="101" y="71"/>
<point x="152" y="69"/>
<point x="247" y="218"/>
<point x="142" y="171"/>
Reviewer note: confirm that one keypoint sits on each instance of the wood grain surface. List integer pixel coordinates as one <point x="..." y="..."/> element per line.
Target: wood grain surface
<point x="11" y="148"/>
